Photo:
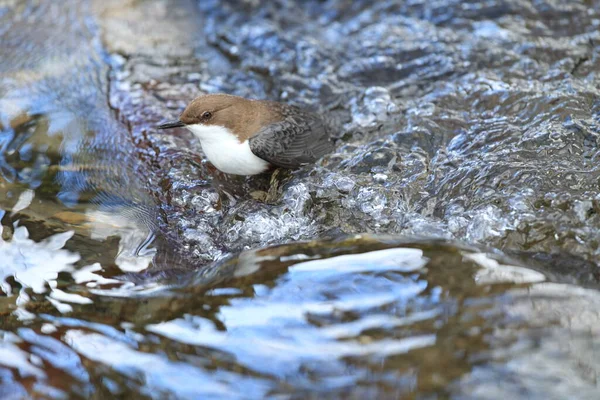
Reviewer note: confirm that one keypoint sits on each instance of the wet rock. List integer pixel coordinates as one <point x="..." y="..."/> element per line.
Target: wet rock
<point x="455" y="121"/>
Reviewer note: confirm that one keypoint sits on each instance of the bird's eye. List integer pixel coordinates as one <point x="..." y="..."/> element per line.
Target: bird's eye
<point x="206" y="115"/>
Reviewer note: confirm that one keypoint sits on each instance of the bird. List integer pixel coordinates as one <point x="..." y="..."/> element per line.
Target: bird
<point x="241" y="136"/>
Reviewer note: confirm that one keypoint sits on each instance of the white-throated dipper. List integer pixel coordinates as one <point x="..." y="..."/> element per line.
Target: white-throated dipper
<point x="246" y="137"/>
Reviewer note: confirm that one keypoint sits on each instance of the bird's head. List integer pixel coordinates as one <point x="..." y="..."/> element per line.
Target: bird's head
<point x="207" y="115"/>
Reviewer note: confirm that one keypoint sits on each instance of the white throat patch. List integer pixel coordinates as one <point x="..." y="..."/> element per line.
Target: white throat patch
<point x="225" y="152"/>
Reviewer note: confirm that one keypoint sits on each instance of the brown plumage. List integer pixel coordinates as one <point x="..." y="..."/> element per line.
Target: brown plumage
<point x="280" y="134"/>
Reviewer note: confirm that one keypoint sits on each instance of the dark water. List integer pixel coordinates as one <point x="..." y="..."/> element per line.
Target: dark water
<point x="466" y="157"/>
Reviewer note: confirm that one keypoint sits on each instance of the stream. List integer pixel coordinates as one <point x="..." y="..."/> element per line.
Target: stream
<point x="447" y="248"/>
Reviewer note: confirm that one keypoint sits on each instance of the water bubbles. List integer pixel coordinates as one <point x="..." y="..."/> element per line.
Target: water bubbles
<point x="374" y="107"/>
<point x="298" y="199"/>
<point x="207" y="201"/>
<point x="343" y="183"/>
<point x="583" y="209"/>
<point x="380" y="178"/>
<point x="485" y="224"/>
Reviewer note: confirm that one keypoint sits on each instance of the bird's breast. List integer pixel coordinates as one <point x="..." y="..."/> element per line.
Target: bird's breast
<point x="225" y="151"/>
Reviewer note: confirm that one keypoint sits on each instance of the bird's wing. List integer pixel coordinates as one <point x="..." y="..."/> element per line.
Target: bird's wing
<point x="292" y="142"/>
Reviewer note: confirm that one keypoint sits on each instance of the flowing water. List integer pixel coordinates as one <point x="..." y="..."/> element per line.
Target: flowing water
<point x="447" y="248"/>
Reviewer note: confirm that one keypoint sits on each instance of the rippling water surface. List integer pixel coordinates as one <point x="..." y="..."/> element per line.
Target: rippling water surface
<point x="447" y="248"/>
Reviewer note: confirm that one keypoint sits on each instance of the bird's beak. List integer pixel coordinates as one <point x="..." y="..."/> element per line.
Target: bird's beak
<point x="171" y="124"/>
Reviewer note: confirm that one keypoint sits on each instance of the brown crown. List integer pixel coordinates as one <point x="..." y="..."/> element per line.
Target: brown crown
<point x="241" y="116"/>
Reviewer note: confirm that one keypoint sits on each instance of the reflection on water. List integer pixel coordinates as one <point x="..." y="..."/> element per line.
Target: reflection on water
<point x="66" y="164"/>
<point x="354" y="318"/>
<point x="33" y="265"/>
